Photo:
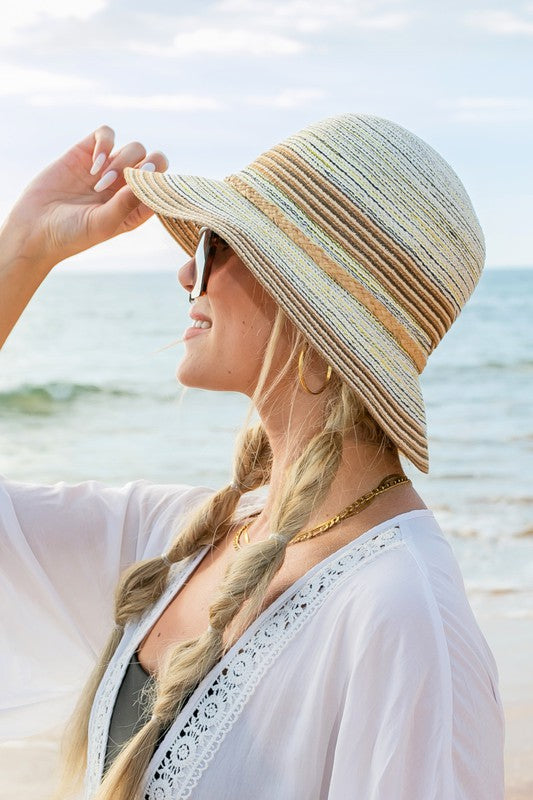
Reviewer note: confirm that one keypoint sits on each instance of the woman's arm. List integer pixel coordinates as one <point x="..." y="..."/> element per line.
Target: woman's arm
<point x="62" y="550"/>
<point x="60" y="214"/>
<point x="19" y="278"/>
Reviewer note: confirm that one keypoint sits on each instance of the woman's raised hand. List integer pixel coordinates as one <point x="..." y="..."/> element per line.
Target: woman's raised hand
<point x="80" y="200"/>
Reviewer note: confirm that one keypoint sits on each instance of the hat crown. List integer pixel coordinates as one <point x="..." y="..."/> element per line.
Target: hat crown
<point x="387" y="207"/>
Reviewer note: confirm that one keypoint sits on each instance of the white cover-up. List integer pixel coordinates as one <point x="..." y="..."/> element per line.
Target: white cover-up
<point x="368" y="679"/>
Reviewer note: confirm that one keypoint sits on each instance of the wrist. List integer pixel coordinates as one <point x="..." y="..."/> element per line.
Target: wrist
<point x="18" y="246"/>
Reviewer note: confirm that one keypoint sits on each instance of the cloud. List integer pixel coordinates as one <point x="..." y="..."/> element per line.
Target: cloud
<point x="310" y="16"/>
<point x="392" y="21"/>
<point x="503" y="22"/>
<point x="216" y="41"/>
<point x="16" y="17"/>
<point x="156" y="102"/>
<point x="490" y="109"/>
<point x="15" y="80"/>
<point x="262" y="28"/>
<point x="231" y="29"/>
<point x="41" y="88"/>
<point x="288" y="98"/>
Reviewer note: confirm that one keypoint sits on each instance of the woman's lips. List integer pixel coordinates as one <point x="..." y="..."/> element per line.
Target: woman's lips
<point x="191" y="332"/>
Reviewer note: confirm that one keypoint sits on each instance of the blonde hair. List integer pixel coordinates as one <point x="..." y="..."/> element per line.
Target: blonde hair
<point x="244" y="586"/>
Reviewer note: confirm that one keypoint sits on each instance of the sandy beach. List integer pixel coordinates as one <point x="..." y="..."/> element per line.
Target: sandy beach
<point x="26" y="768"/>
<point x="511" y="641"/>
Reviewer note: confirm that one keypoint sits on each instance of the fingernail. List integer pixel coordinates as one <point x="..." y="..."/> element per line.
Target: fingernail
<point x="106" y="180"/>
<point x="98" y="164"/>
<point x="148" y="167"/>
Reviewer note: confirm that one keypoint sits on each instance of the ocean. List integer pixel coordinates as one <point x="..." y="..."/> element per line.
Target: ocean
<point x="87" y="391"/>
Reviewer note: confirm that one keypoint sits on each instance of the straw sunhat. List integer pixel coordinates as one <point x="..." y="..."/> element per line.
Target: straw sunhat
<point x="365" y="237"/>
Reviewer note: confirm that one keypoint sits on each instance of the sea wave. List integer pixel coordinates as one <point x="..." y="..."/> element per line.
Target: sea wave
<point x="503" y="499"/>
<point x="525" y="534"/>
<point x="521" y="364"/>
<point x="478" y="530"/>
<point x="495" y="589"/>
<point x="487" y="370"/>
<point x="524" y="437"/>
<point x="461" y="476"/>
<point x="45" y="399"/>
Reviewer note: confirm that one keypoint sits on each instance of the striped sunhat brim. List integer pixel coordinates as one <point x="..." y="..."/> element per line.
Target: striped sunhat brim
<point x="366" y="238"/>
<point x="347" y="334"/>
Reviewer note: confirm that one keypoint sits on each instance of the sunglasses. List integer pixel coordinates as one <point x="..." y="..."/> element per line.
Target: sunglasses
<point x="204" y="256"/>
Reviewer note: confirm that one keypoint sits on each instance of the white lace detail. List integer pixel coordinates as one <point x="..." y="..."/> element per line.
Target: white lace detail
<point x="193" y="740"/>
<point x="105" y="697"/>
<point x="189" y="747"/>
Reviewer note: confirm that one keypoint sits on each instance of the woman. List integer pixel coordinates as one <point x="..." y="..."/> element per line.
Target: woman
<point x="318" y="644"/>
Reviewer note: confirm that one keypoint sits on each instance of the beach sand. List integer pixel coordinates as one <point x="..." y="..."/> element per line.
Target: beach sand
<point x="511" y="641"/>
<point x="26" y="768"/>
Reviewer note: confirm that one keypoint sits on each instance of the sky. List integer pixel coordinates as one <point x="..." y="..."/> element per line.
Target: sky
<point x="213" y="84"/>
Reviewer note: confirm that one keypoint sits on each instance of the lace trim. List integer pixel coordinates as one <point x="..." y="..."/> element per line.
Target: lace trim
<point x="190" y="747"/>
<point x="193" y="740"/>
<point x="107" y="691"/>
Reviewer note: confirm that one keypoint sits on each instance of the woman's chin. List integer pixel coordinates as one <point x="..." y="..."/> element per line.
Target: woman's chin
<point x="191" y="380"/>
<point x="189" y="375"/>
<point x="194" y="378"/>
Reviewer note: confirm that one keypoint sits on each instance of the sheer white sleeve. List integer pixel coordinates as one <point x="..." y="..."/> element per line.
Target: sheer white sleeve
<point x="62" y="549"/>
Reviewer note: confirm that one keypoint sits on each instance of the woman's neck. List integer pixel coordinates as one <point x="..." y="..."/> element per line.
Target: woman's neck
<point x="361" y="469"/>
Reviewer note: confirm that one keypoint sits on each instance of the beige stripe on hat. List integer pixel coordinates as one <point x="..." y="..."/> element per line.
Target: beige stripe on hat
<point x="365" y="237"/>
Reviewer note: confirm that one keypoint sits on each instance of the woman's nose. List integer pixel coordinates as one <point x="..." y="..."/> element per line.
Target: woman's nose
<point x="186" y="275"/>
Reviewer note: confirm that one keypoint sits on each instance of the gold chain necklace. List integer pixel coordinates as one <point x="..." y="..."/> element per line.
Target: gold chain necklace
<point x="362" y="502"/>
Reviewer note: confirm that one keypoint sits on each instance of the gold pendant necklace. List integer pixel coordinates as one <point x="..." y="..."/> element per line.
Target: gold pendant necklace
<point x="362" y="502"/>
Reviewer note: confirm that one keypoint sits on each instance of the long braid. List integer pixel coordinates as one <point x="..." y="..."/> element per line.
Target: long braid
<point x="253" y="461"/>
<point x="246" y="582"/>
<point x="143" y="583"/>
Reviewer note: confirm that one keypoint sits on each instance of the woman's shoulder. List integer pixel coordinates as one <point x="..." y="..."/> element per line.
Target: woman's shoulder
<point x="401" y="574"/>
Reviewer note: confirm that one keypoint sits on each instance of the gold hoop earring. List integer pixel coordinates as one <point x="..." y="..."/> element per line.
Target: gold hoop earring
<point x="301" y="376"/>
